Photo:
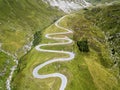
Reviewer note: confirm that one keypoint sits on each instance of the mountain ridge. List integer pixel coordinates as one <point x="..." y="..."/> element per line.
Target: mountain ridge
<point x="68" y="5"/>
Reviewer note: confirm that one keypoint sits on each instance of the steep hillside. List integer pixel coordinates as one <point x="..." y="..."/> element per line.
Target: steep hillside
<point x="20" y="19"/>
<point x="108" y="19"/>
<point x="100" y="26"/>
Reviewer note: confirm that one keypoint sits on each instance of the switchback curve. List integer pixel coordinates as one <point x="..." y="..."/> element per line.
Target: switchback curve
<point x="71" y="54"/>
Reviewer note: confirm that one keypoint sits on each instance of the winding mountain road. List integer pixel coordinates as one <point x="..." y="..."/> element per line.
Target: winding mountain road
<point x="66" y="41"/>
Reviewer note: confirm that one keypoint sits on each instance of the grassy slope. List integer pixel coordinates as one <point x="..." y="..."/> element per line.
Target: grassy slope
<point x="98" y="59"/>
<point x="108" y="20"/>
<point x="4" y="69"/>
<point x="88" y="71"/>
<point x="20" y="19"/>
